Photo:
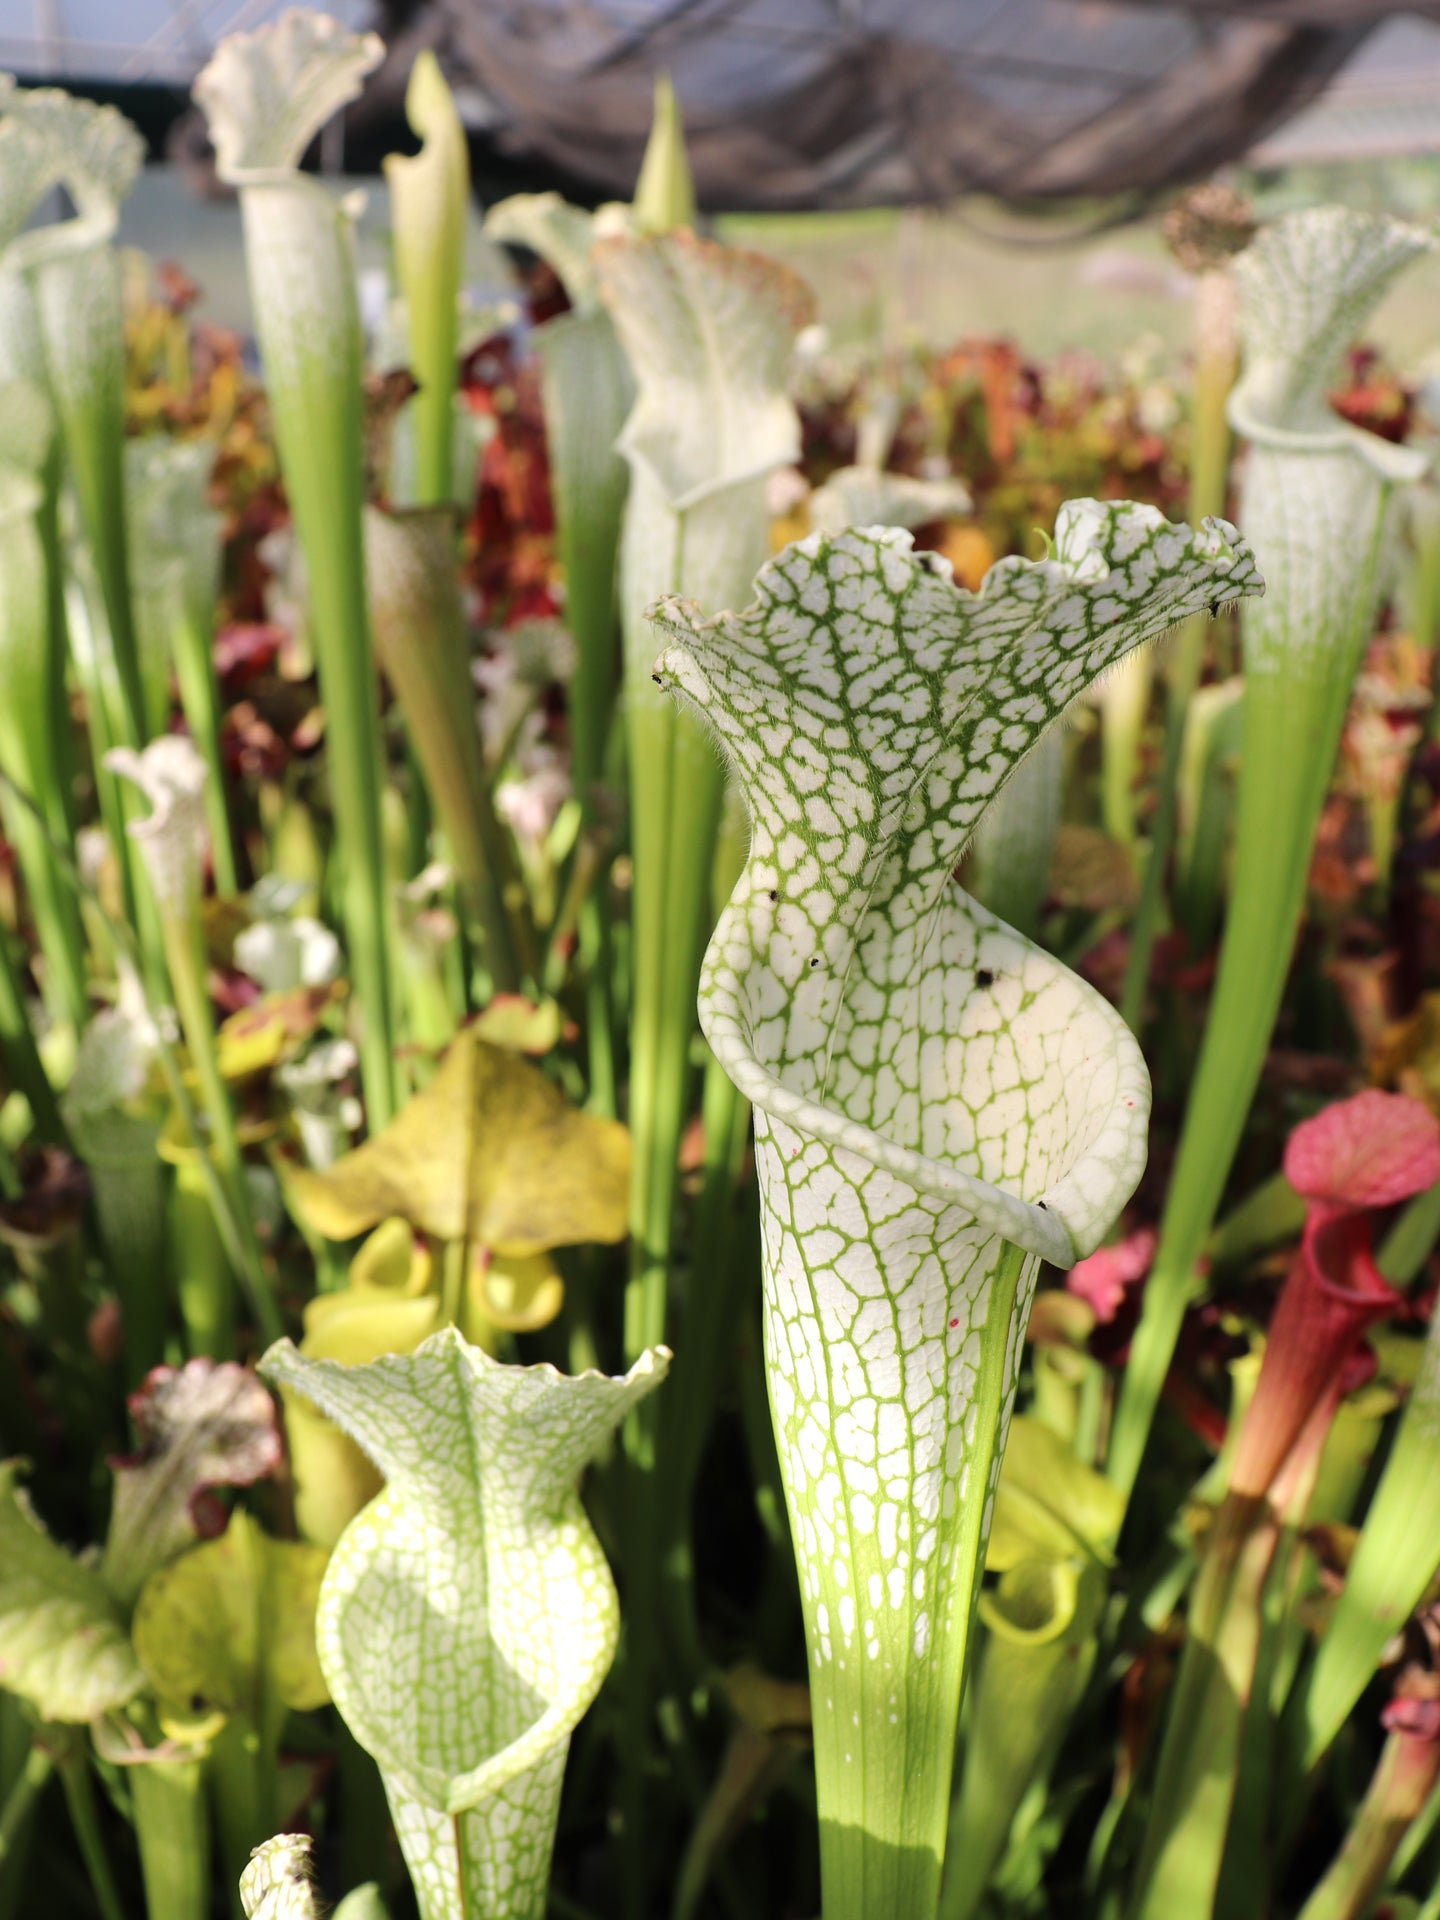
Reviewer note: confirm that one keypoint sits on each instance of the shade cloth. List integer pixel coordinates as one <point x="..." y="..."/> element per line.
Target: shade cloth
<point x="851" y="103"/>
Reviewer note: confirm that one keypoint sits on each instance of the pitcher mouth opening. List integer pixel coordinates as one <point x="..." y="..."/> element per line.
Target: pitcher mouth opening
<point x="1061" y="1223"/>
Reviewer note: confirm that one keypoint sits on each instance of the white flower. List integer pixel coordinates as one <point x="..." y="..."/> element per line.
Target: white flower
<point x="282" y="954"/>
<point x="325" y="1116"/>
<point x="171" y="775"/>
<point x="530" y="806"/>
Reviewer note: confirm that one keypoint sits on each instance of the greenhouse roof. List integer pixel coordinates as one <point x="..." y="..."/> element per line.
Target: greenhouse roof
<point x="835" y="103"/>
<point x="132" y="42"/>
<point x="1385" y="103"/>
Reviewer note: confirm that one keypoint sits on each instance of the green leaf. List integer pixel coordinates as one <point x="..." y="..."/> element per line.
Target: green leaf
<point x="63" y="1644"/>
<point x="1042" y="1618"/>
<point x="588" y="391"/>
<point x="229" y="1627"/>
<point x="1049" y="1505"/>
<point x="1307" y="286"/>
<point x="175" y="537"/>
<point x="27" y="431"/>
<point x="927" y="1085"/>
<point x="429" y="196"/>
<point x="665" y="192"/>
<point x="436" y="1653"/>
<point x="1034" y="1603"/>
<point x="418" y="622"/>
<point x="490" y="1150"/>
<point x="1395" y="1559"/>
<point x="26" y="166"/>
<point x="203" y="1426"/>
<point x="174" y="530"/>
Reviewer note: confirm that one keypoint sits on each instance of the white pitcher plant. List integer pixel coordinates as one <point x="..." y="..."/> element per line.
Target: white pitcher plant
<point x="266" y="95"/>
<point x="1317" y="504"/>
<point x="468" y="1616"/>
<point x="938" y="1104"/>
<point x="61" y="317"/>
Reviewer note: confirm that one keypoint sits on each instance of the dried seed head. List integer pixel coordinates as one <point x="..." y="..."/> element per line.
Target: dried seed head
<point x="1207" y="224"/>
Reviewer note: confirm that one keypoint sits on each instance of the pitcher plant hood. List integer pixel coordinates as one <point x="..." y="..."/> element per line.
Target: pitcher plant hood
<point x="871" y="711"/>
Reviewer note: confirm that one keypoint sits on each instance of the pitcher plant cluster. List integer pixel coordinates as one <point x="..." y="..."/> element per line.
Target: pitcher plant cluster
<point x="595" y="1319"/>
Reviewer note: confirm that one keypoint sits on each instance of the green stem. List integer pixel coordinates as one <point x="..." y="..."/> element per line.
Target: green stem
<point x="597" y="959"/>
<point x="704" y="1355"/>
<point x="130" y="1187"/>
<point x="586" y="389"/>
<point x="240" y="1246"/>
<point x="238" y="1791"/>
<point x="365" y="1816"/>
<point x="298" y="252"/>
<point x="1027" y="1688"/>
<point x="57" y="925"/>
<point x="23" y="1065"/>
<point x="192" y="1002"/>
<point x="16" y="1820"/>
<point x="1409" y="1243"/>
<point x="1293" y="716"/>
<point x="884" y="1726"/>
<point x="1194" y="1790"/>
<point x="420" y="639"/>
<point x="107" y="726"/>
<point x="1397" y="1794"/>
<point x="717" y="1281"/>
<point x="1394" y="1561"/>
<point x="1418" y="1836"/>
<point x="83" y="324"/>
<point x="84" y="1817"/>
<point x="57" y="803"/>
<point x="172" y="1825"/>
<point x="205" y="1282"/>
<point x="429" y="195"/>
<point x="1209" y="480"/>
<point x="1206" y="788"/>
<point x="1187" y="658"/>
<point x="194" y="658"/>
<point x="1124" y="705"/>
<point x="32" y="739"/>
<point x="676" y="790"/>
